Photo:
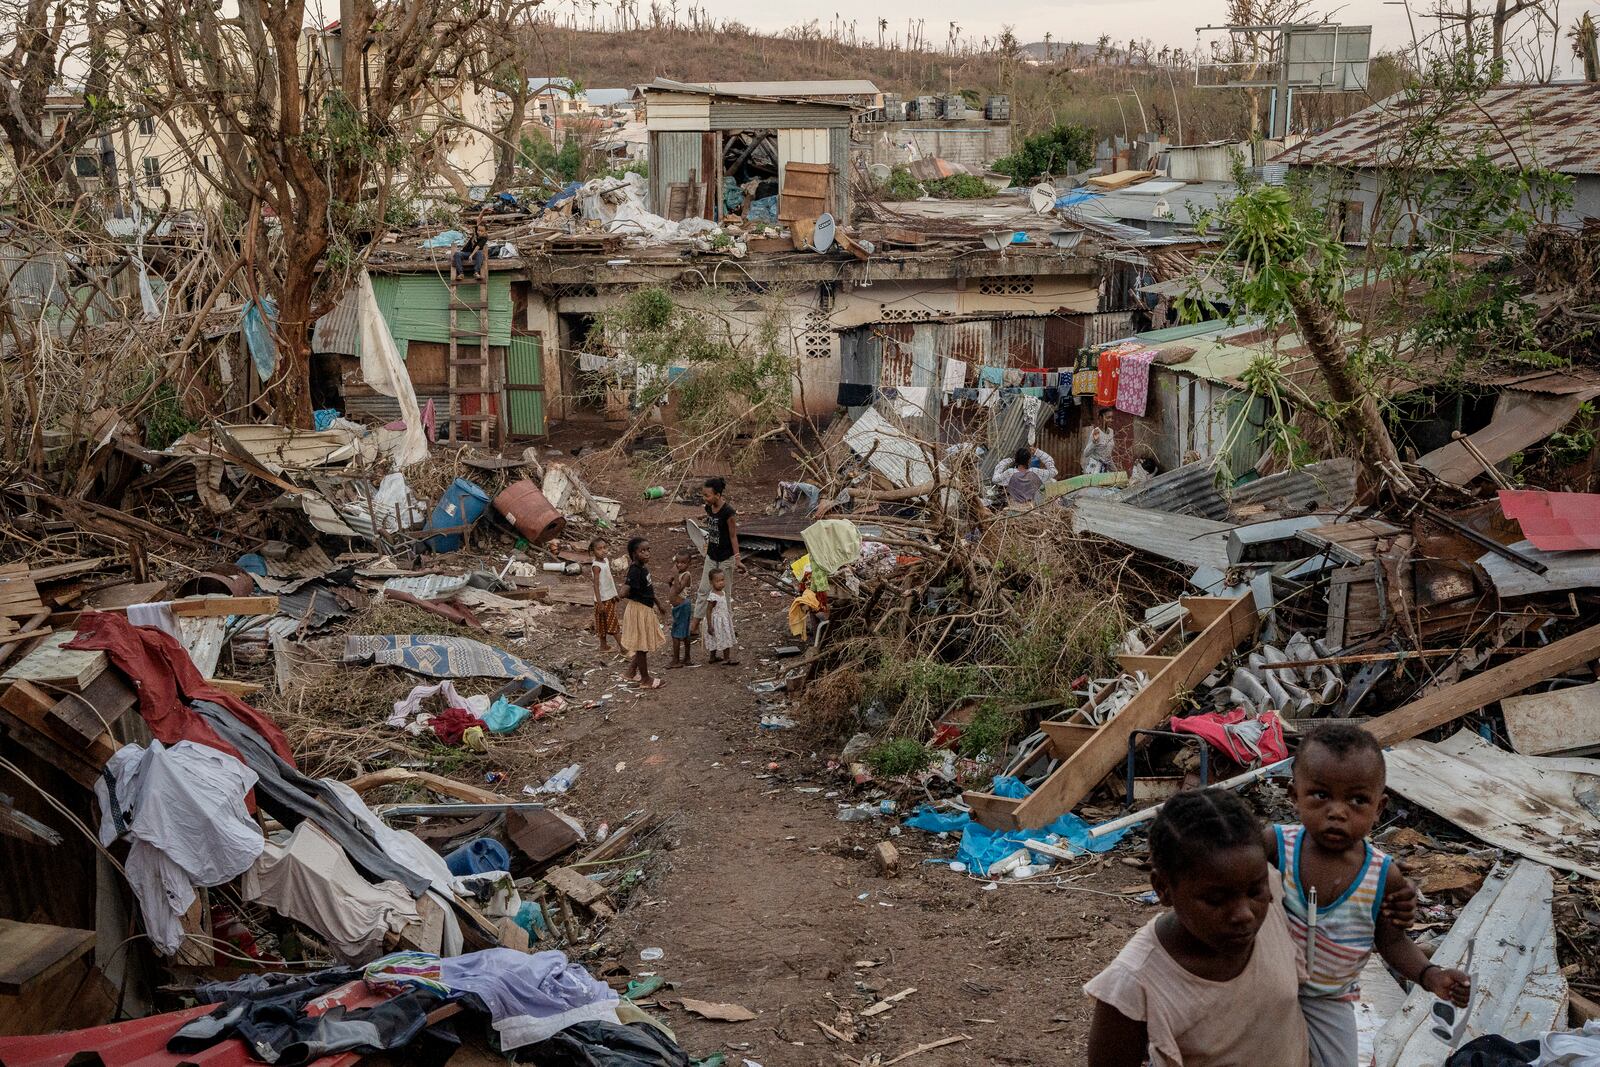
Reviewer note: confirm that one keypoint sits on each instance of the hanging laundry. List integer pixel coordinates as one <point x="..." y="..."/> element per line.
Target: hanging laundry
<point x="1108" y="382"/>
<point x="955" y="374"/>
<point x="1133" y="382"/>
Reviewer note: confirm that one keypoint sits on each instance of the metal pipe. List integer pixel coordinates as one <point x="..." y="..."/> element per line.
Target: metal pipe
<point x="1238" y="781"/>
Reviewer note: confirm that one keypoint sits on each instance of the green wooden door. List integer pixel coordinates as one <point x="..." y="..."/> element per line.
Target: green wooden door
<point x="525" y="385"/>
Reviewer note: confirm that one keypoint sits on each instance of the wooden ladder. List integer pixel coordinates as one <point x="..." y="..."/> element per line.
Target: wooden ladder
<point x="469" y="347"/>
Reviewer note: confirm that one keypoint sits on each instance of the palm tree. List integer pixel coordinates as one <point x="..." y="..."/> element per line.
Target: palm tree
<point x="883" y="24"/>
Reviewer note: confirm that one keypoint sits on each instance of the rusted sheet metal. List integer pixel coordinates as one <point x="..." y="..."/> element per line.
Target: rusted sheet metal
<point x="1551" y="126"/>
<point x="1520" y="419"/>
<point x="897" y="359"/>
<point x="966" y="341"/>
<point x="1017" y="343"/>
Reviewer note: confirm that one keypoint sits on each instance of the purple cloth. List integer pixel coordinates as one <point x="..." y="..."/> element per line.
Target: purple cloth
<point x="530" y="996"/>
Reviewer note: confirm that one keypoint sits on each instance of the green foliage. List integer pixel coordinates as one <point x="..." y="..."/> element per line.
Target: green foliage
<point x="164" y="421"/>
<point x="566" y="164"/>
<point x="641" y="167"/>
<point x="920" y="688"/>
<point x="991" y="729"/>
<point x="1576" y="440"/>
<point x="733" y="371"/>
<point x="899" y="758"/>
<point x="901" y="185"/>
<point x="1049" y="153"/>
<point x="959" y="187"/>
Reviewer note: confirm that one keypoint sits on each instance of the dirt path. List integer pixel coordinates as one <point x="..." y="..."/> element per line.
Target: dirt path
<point x="765" y="899"/>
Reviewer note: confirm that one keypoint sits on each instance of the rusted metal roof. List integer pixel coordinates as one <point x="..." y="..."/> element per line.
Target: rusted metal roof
<point x="1552" y="126"/>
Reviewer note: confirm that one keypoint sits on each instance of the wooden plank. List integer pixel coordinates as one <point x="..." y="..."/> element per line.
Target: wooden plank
<point x="30" y="953"/>
<point x="439" y="784"/>
<point x="212" y="607"/>
<point x="580" y="890"/>
<point x="235" y="688"/>
<point x="1067" y="737"/>
<point x="51" y="664"/>
<point x="1561" y="722"/>
<point x="84" y="717"/>
<point x="70" y="763"/>
<point x="1233" y="620"/>
<point x="31" y="706"/>
<point x="1496" y="683"/>
<point x="68" y="570"/>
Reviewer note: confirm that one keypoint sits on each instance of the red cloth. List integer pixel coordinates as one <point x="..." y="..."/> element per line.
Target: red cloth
<point x="1214" y="728"/>
<point x="166" y="678"/>
<point x="1110" y="368"/>
<point x="451" y="723"/>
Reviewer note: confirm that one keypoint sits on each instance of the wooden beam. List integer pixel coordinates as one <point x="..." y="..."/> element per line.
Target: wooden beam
<point x="1067" y="737"/>
<point x="1227" y="623"/>
<point x="51" y="664"/>
<point x="1151" y="665"/>
<point x="215" y="606"/>
<point x="1496" y="683"/>
<point x="30" y="953"/>
<point x="84" y="717"/>
<point x="365" y="783"/>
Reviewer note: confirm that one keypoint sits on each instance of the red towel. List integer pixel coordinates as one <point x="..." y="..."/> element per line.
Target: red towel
<point x="1110" y="368"/>
<point x="166" y="678"/>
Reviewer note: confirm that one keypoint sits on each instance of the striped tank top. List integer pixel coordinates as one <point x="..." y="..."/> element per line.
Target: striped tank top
<point x="1346" y="927"/>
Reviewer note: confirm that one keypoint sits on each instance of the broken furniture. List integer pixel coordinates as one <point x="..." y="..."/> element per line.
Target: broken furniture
<point x="1088" y="751"/>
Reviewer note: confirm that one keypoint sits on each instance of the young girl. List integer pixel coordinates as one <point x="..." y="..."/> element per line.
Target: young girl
<point x="642" y="614"/>
<point x="719" y="621"/>
<point x="606" y="620"/>
<point x="1211" y="983"/>
<point x="682" y="608"/>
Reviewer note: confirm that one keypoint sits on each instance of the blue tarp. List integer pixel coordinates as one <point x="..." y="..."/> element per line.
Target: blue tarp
<point x="567" y="192"/>
<point x="981" y="847"/>
<point x="1077" y="196"/>
<point x="447" y="239"/>
<point x="764" y="210"/>
<point x="322" y="418"/>
<point x="257" y="326"/>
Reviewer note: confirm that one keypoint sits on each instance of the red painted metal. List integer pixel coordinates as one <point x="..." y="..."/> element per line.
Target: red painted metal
<point x="1555" y="522"/>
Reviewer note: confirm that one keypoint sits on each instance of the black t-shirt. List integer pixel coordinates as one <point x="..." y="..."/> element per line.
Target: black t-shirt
<point x="639" y="587"/>
<point x="719" y="540"/>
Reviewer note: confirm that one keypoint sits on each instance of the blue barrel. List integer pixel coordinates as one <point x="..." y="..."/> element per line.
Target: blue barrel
<point x="477" y="857"/>
<point x="462" y="505"/>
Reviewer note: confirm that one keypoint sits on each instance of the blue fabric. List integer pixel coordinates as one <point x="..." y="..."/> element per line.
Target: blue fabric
<point x="991" y="375"/>
<point x="252" y="563"/>
<point x="323" y="417"/>
<point x="447" y="239"/>
<point x="438" y="656"/>
<point x="257" y="326"/>
<point x="682" y="616"/>
<point x="981" y="847"/>
<point x="504" y="716"/>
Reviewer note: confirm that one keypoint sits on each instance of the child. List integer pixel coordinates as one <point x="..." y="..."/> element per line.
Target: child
<point x="607" y="622"/>
<point x="682" y="608"/>
<point x="641" y="615"/>
<point x="719" y="621"/>
<point x="1210" y="983"/>
<point x="1362" y="901"/>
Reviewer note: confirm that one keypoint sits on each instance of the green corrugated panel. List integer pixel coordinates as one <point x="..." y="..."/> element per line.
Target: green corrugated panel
<point x="525" y="366"/>
<point x="417" y="307"/>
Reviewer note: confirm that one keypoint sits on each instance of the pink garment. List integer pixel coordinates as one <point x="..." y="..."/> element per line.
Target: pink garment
<point x="1133" y="382"/>
<point x="1246" y="741"/>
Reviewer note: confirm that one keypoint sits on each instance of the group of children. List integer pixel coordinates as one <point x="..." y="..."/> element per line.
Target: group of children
<point x="637" y="618"/>
<point x="1259" y="960"/>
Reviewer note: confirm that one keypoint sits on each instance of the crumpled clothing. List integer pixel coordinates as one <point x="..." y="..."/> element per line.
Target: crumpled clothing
<point x="1245" y="740"/>
<point x="1492" y="1050"/>
<point x="311" y="880"/>
<point x="529" y="996"/>
<point x="833" y="544"/>
<point x="293" y="1023"/>
<point x="798" y="607"/>
<point x="411" y="704"/>
<point x="604" y="1044"/>
<point x="451" y="725"/>
<point x="158" y="616"/>
<point x="168" y="683"/>
<point x="400" y="970"/>
<point x="184" y="809"/>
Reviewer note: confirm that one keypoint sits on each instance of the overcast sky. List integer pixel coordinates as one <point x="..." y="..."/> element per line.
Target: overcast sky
<point x="1166" y="22"/>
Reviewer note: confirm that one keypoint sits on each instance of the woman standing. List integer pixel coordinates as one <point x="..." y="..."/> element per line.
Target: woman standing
<point x="642" y="615"/>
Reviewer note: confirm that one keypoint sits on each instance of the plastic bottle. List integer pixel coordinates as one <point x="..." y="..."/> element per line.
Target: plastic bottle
<point x="857" y="812"/>
<point x="655" y="492"/>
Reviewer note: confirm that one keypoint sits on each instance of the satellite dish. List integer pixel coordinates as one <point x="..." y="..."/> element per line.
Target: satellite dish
<point x="1162" y="210"/>
<point x="1066" y="240"/>
<point x="822" y="236"/>
<point x="880" y="173"/>
<point x="997" y="240"/>
<point x="1043" y="198"/>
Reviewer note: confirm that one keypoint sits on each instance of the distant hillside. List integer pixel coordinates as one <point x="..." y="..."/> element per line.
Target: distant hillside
<point x="1099" y="88"/>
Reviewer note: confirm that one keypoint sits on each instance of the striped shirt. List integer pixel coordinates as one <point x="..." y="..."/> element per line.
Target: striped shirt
<point x="1346" y="927"/>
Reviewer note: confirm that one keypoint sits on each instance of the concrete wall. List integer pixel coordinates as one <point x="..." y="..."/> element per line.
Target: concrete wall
<point x="974" y="144"/>
<point x="1363" y="187"/>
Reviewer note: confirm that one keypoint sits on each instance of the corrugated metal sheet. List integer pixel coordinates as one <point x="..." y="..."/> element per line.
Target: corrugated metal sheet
<point x="1016" y="343"/>
<point x="839" y="152"/>
<point x="966" y="341"/>
<point x="896" y="357"/>
<point x="336" y="332"/>
<point x="803" y="146"/>
<point x="1187" y="490"/>
<point x="674" y="157"/>
<point x="763" y="115"/>
<point x="417" y="307"/>
<point x="1327" y="485"/>
<point x="1206" y="162"/>
<point x="1182" y="538"/>
<point x="825" y="88"/>
<point x="1516" y="126"/>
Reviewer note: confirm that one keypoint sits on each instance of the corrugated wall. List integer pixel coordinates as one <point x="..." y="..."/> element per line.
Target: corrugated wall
<point x="417" y="307"/>
<point x="674" y="157"/>
<point x="775" y="115"/>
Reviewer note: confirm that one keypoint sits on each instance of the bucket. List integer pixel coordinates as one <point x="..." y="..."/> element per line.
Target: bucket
<point x="478" y="857"/>
<point x="526" y="508"/>
<point x="461" y="506"/>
